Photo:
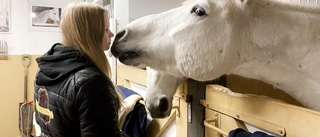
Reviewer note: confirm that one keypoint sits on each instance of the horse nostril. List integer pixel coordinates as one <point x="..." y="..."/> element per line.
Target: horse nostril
<point x="119" y="35"/>
<point x="163" y="105"/>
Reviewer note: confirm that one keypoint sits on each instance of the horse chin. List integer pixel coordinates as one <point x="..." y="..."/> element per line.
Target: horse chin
<point x="156" y="114"/>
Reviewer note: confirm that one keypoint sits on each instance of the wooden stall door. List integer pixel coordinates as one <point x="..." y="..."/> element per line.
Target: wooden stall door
<point x="126" y="75"/>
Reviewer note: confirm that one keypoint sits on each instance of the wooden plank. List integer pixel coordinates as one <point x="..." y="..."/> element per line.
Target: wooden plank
<point x="181" y="119"/>
<point x="133" y="74"/>
<point x="208" y="115"/>
<point x="251" y="86"/>
<point x="223" y="122"/>
<point x="264" y="112"/>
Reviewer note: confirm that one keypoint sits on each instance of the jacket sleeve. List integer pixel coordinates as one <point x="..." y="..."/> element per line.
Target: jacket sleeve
<point x="97" y="108"/>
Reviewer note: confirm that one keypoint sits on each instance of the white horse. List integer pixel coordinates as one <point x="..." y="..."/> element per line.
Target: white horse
<point x="47" y="16"/>
<point x="272" y="41"/>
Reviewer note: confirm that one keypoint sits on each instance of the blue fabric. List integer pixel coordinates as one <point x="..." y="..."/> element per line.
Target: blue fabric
<point x="126" y="92"/>
<point x="239" y="132"/>
<point x="136" y="121"/>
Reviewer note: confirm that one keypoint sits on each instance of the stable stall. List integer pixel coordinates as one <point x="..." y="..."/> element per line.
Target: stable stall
<point x="215" y="110"/>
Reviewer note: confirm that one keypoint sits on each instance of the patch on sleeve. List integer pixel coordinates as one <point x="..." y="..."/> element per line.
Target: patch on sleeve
<point x="42" y="106"/>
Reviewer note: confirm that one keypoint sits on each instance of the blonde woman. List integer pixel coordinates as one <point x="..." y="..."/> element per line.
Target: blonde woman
<point x="74" y="95"/>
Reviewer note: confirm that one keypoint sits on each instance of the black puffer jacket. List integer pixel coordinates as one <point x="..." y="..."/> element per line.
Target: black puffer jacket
<point x="73" y="98"/>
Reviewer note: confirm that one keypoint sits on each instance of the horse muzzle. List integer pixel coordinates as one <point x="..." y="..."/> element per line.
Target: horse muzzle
<point x="160" y="108"/>
<point x="122" y="49"/>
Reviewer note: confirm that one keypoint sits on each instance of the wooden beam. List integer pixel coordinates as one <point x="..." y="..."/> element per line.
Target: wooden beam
<point x="272" y="115"/>
<point x="131" y="74"/>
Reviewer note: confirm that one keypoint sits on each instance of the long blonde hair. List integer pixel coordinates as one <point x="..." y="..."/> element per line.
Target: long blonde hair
<point x="83" y="27"/>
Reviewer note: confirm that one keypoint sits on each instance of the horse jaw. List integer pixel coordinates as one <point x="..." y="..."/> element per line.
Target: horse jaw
<point x="160" y="90"/>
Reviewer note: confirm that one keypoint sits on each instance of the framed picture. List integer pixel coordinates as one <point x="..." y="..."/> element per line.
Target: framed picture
<point x="5" y="23"/>
<point x="44" y="16"/>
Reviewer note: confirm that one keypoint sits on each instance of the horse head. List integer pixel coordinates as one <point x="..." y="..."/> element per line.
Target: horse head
<point x="197" y="40"/>
<point x="47" y="16"/>
<point x="53" y="15"/>
<point x="192" y="41"/>
<point x="161" y="88"/>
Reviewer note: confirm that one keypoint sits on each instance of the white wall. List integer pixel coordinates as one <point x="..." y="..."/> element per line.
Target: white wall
<point x="121" y="13"/>
<point x="129" y="10"/>
<point x="21" y="40"/>
<point x="24" y="41"/>
<point x="139" y="8"/>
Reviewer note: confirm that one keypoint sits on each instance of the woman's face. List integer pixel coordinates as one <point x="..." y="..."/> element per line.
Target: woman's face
<point x="106" y="40"/>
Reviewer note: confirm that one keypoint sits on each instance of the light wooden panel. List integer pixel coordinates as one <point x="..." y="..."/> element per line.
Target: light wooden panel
<point x="127" y="73"/>
<point x="264" y="112"/>
<point x="11" y="92"/>
<point x="252" y="86"/>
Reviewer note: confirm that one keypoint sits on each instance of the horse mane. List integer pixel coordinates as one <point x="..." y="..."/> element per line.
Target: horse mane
<point x="307" y="8"/>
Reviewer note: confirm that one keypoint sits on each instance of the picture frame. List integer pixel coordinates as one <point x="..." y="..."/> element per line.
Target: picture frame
<point x="44" y="16"/>
<point x="5" y="16"/>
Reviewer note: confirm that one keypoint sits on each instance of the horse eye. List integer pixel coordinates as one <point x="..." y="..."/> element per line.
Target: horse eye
<point x="199" y="11"/>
